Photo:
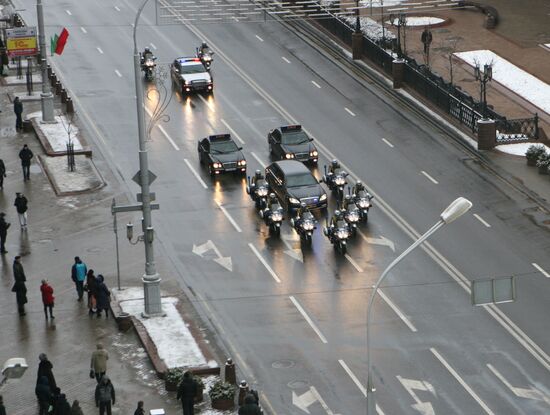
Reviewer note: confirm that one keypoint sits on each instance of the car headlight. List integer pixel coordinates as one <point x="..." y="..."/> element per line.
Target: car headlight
<point x="277" y="217"/>
<point x="308" y="225"/>
<point x="289" y="156"/>
<point x="293" y="201"/>
<point x="313" y="153"/>
<point x="342" y="233"/>
<point x="184" y="82"/>
<point x="241" y="162"/>
<point x="262" y="191"/>
<point x="217" y="165"/>
<point x="340" y="181"/>
<point x="323" y="198"/>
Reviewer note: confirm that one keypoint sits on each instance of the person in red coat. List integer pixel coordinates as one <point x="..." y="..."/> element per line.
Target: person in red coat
<point x="47" y="298"/>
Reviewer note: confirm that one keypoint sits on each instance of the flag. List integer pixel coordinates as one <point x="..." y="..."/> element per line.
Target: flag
<point x="53" y="43"/>
<point x="60" y="44"/>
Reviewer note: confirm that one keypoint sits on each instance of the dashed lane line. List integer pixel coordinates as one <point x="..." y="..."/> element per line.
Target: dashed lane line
<point x="537" y="266"/>
<point x="308" y="319"/>
<point x="163" y="131"/>
<point x="117" y="8"/>
<point x="350" y="112"/>
<point x="208" y="104"/>
<point x="229" y="217"/>
<point x="479" y="218"/>
<point x="118" y="73"/>
<point x="397" y="311"/>
<point x="232" y="131"/>
<point x="153" y="46"/>
<point x="264" y="263"/>
<point x="99" y="50"/>
<point x="83" y="30"/>
<point x="387" y="142"/>
<point x="258" y="159"/>
<point x="430" y="178"/>
<point x="355" y="264"/>
<point x="195" y="173"/>
<point x="316" y="84"/>
<point x="358" y="383"/>
<point x="68" y="12"/>
<point x="285" y="59"/>
<point x="259" y="38"/>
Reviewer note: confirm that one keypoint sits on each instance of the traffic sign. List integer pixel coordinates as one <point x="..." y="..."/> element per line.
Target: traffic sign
<point x="21" y="41"/>
<point x="137" y="177"/>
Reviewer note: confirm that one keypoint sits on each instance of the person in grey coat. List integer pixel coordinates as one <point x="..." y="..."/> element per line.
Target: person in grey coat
<point x="104" y="395"/>
<point x="103" y="296"/>
<point x="19" y="288"/>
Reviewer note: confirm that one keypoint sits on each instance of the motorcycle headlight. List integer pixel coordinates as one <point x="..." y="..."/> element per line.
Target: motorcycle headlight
<point x="308" y="225"/>
<point x="363" y="203"/>
<point x="353" y="216"/>
<point x="207" y="58"/>
<point x="150" y="63"/>
<point x="339" y="181"/>
<point x="241" y="162"/>
<point x="342" y="233"/>
<point x="289" y="156"/>
<point x="293" y="201"/>
<point x="217" y="165"/>
<point x="262" y="191"/>
<point x="277" y="217"/>
<point x="323" y="198"/>
<point x="313" y="153"/>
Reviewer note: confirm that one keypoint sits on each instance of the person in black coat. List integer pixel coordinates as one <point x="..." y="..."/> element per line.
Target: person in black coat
<point x="3" y="232"/>
<point x="45" y="369"/>
<point x="19" y="288"/>
<point x="103" y="296"/>
<point x="62" y="407"/>
<point x="139" y="410"/>
<point x="26" y="155"/>
<point x="21" y="205"/>
<point x="187" y="390"/>
<point x="18" y="109"/>
<point x="250" y="406"/>
<point x="2" y="407"/>
<point x="2" y="173"/>
<point x="43" y="394"/>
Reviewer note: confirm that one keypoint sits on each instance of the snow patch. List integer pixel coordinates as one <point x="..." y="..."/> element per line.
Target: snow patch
<point x="419" y="21"/>
<point x="516" y="79"/>
<point x="518" y="149"/>
<point x="56" y="133"/>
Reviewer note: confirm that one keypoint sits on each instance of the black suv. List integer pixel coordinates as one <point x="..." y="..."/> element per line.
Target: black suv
<point x="221" y="154"/>
<point x="294" y="184"/>
<point x="190" y="75"/>
<point x="291" y="142"/>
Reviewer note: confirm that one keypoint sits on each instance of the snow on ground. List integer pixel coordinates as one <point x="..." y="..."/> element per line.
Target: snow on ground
<point x="518" y="149"/>
<point x="369" y="27"/>
<point x="56" y="133"/>
<point x="517" y="80"/>
<point x="81" y="179"/>
<point x="420" y="21"/>
<point x="174" y="342"/>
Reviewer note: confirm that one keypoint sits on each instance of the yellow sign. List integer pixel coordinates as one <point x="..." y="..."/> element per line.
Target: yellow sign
<point x="22" y="46"/>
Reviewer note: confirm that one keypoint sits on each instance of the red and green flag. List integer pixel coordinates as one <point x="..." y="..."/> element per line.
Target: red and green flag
<point x="53" y="43"/>
<point x="58" y="42"/>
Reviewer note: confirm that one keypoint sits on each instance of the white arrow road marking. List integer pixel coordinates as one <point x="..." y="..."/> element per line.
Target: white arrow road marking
<point x="308" y="398"/>
<point x="461" y="381"/>
<point x="383" y="241"/>
<point x="541" y="270"/>
<point x="410" y="385"/>
<point x="530" y="393"/>
<point x="232" y="131"/>
<point x="308" y="319"/>
<point x="358" y="383"/>
<point x="397" y="311"/>
<point x="264" y="263"/>
<point x="292" y="252"/>
<point x="228" y="216"/>
<point x="200" y="250"/>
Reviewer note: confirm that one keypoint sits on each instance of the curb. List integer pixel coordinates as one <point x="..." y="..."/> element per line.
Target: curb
<point x="48" y="148"/>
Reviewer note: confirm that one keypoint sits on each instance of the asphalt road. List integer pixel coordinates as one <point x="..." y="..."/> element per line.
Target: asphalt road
<point x="293" y="319"/>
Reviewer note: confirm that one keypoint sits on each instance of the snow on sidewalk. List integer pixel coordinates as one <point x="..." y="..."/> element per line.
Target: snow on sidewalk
<point x="518" y="149"/>
<point x="174" y="342"/>
<point x="509" y="75"/>
<point x="56" y="133"/>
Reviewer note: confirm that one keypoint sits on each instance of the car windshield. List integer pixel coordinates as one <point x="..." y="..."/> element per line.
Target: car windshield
<point x="197" y="68"/>
<point x="298" y="180"/>
<point x="294" y="137"/>
<point x="223" y="147"/>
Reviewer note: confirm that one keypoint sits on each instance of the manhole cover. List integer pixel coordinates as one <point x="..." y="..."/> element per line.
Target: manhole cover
<point x="283" y="364"/>
<point x="298" y="384"/>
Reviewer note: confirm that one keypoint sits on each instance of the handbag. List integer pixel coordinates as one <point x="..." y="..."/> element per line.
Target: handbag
<point x="92" y="374"/>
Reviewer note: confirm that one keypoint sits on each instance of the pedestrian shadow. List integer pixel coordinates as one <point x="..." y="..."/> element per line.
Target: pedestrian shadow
<point x="24" y="245"/>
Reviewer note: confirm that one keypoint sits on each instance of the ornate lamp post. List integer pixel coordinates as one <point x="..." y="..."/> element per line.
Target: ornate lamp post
<point x="483" y="77"/>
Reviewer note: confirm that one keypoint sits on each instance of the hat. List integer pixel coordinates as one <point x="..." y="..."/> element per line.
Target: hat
<point x="42" y="356"/>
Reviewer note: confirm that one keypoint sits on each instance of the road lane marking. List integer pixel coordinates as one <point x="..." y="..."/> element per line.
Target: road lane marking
<point x="162" y="130"/>
<point x="228" y="216"/>
<point x="285" y="59"/>
<point x="264" y="263"/>
<point x="527" y="393"/>
<point x="397" y="311"/>
<point x="355" y="264"/>
<point x="117" y="8"/>
<point x="316" y="84"/>
<point x="479" y="218"/>
<point x="83" y="30"/>
<point x="99" y="50"/>
<point x="258" y="159"/>
<point x="232" y="131"/>
<point x="208" y="104"/>
<point x="349" y="111"/>
<point x="430" y="178"/>
<point x="153" y="46"/>
<point x="541" y="270"/>
<point x="308" y="319"/>
<point x="195" y="173"/>
<point x="358" y="383"/>
<point x="69" y="12"/>
<point x="118" y="73"/>
<point x="259" y="38"/>
<point x="387" y="142"/>
<point x="461" y="381"/>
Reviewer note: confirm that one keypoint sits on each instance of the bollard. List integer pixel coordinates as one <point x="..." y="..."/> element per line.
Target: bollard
<point x="53" y="79"/>
<point x="58" y="88"/>
<point x="398" y="72"/>
<point x="230" y="376"/>
<point x="64" y="95"/>
<point x="243" y="391"/>
<point x="50" y="72"/>
<point x="70" y="106"/>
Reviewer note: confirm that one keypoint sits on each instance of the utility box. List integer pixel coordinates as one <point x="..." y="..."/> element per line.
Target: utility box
<point x="157" y="412"/>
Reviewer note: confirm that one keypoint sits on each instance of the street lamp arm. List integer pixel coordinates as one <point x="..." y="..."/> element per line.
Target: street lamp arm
<point x="136" y="24"/>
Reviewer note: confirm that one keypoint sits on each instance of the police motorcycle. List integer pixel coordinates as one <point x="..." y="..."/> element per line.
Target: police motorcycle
<point x="258" y="189"/>
<point x="273" y="215"/>
<point x="304" y="224"/>
<point x="351" y="213"/>
<point x="362" y="199"/>
<point x="205" y="54"/>
<point x="338" y="232"/>
<point x="148" y="64"/>
<point x="335" y="179"/>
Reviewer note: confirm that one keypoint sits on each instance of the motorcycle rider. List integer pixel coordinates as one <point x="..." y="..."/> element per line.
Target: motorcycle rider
<point x="147" y="54"/>
<point x="257" y="179"/>
<point x="301" y="213"/>
<point x="334" y="167"/>
<point x="360" y="190"/>
<point x="347" y="201"/>
<point x="336" y="221"/>
<point x="204" y="49"/>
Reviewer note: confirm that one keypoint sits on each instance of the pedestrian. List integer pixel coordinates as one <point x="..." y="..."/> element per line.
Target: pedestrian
<point x="187" y="390"/>
<point x="18" y="109"/>
<point x="62" y="407"/>
<point x="47" y="298"/>
<point x="98" y="364"/>
<point x="103" y="297"/>
<point x="76" y="409"/>
<point x="250" y="406"/>
<point x="26" y="155"/>
<point x="43" y="394"/>
<point x="45" y="368"/>
<point x="4" y="226"/>
<point x="104" y="395"/>
<point x="2" y="172"/>
<point x="2" y="407"/>
<point x="56" y="394"/>
<point x="19" y="288"/>
<point x="139" y="410"/>
<point x="4" y="60"/>
<point x="21" y="204"/>
<point x="91" y="288"/>
<point x="78" y="274"/>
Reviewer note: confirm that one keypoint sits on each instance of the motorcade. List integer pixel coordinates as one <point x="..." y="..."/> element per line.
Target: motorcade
<point x="304" y="224"/>
<point x="258" y="189"/>
<point x="335" y="179"/>
<point x="221" y="155"/>
<point x="190" y="75"/>
<point x="292" y="142"/>
<point x="338" y="232"/>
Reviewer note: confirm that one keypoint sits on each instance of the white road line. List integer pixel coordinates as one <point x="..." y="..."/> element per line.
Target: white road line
<point x="349" y="111"/>
<point x="153" y="46"/>
<point x="461" y="381"/>
<point x="387" y="142"/>
<point x="258" y="159"/>
<point x="397" y="311"/>
<point x="195" y="173"/>
<point x="118" y="73"/>
<point x="99" y="50"/>
<point x="259" y="38"/>
<point x="479" y="218"/>
<point x="264" y="262"/>
<point x="541" y="270"/>
<point x="163" y="131"/>
<point x="83" y="30"/>
<point x="355" y="264"/>
<point x="285" y="59"/>
<point x="69" y="12"/>
<point x="232" y="131"/>
<point x="430" y="178"/>
<point x="208" y="104"/>
<point x="308" y="319"/>
<point x="358" y="383"/>
<point x="316" y="84"/>
<point x="117" y="8"/>
<point x="228" y="216"/>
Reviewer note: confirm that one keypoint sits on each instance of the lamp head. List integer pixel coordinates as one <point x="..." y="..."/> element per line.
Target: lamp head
<point x="455" y="210"/>
<point x="130" y="231"/>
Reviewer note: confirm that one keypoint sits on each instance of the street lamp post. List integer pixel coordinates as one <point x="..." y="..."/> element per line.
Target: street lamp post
<point x="456" y="209"/>
<point x="483" y="78"/>
<point x="46" y="98"/>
